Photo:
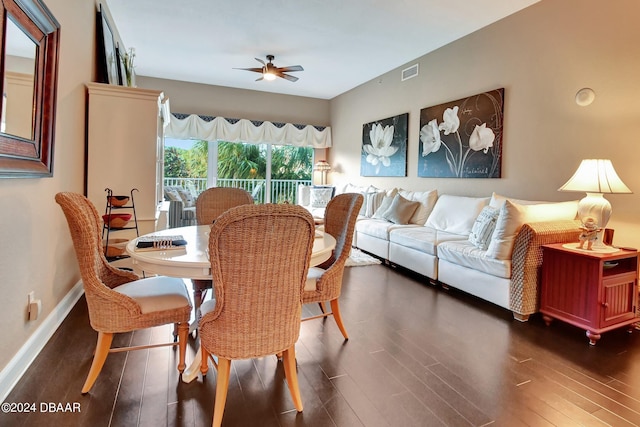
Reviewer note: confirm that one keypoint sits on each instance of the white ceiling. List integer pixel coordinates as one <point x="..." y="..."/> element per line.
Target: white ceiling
<point x="340" y="43"/>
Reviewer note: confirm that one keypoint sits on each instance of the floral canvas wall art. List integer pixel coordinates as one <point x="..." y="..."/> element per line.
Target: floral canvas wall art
<point x="384" y="147"/>
<point x="463" y="138"/>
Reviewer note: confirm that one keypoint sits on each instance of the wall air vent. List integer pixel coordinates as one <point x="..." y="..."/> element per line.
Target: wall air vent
<point x="412" y="71"/>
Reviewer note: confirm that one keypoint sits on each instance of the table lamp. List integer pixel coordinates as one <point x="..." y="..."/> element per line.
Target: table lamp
<point x="595" y="177"/>
<point x="322" y="166"/>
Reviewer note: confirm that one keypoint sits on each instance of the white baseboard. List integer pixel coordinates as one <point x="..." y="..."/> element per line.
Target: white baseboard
<point x="19" y="364"/>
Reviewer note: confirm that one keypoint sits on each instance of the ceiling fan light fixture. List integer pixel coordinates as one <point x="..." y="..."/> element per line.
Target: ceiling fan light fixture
<point x="268" y="76"/>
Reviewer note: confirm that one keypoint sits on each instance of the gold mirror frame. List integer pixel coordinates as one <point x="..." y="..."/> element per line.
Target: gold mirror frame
<point x="23" y="157"/>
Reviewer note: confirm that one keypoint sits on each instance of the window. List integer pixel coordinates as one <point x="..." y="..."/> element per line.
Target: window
<point x="271" y="173"/>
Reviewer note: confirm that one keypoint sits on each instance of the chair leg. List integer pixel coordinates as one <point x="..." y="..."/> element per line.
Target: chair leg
<point x="102" y="351"/>
<point x="323" y="307"/>
<point x="204" y="361"/>
<point x="289" y="356"/>
<point x="197" y="300"/>
<point x="335" y="308"/>
<point x="183" y="333"/>
<point x="222" y="386"/>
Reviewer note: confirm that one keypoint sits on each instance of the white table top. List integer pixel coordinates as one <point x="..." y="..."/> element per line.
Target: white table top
<point x="192" y="262"/>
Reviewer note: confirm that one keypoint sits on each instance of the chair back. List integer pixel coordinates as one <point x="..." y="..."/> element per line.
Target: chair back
<point x="214" y="201"/>
<point x="108" y="309"/>
<point x="260" y="257"/>
<point x="340" y="217"/>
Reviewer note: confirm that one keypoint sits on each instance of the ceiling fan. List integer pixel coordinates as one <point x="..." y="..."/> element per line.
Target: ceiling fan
<point x="270" y="71"/>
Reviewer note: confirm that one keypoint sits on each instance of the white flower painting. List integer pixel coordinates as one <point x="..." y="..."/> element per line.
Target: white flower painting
<point x="463" y="138"/>
<point x="384" y="147"/>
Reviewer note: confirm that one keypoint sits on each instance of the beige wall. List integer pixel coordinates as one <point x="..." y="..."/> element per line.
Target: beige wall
<point x="542" y="56"/>
<point x="192" y="98"/>
<point x="36" y="252"/>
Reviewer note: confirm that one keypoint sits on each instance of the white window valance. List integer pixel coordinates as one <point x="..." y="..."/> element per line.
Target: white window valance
<point x="182" y="126"/>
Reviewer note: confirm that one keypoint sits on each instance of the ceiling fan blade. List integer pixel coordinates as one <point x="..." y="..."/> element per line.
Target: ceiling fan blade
<point x="260" y="78"/>
<point x="287" y="77"/>
<point x="255" y="70"/>
<point x="291" y="68"/>
<point x="260" y="61"/>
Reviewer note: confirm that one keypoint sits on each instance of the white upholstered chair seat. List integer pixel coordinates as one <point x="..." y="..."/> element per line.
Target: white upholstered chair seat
<point x="157" y="293"/>
<point x="312" y="278"/>
<point x="208" y="306"/>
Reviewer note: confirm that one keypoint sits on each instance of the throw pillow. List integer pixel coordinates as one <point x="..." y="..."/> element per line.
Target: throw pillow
<point x="510" y="220"/>
<point x="513" y="216"/>
<point x="304" y="195"/>
<point x="482" y="230"/>
<point x="427" y="201"/>
<point x="171" y="194"/>
<point x="187" y="198"/>
<point x="383" y="208"/>
<point x="320" y="196"/>
<point x="401" y="210"/>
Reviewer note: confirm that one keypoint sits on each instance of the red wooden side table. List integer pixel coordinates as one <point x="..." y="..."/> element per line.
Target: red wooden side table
<point x="591" y="290"/>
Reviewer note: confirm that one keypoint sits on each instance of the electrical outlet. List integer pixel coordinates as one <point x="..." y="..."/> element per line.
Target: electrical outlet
<point x="34" y="307"/>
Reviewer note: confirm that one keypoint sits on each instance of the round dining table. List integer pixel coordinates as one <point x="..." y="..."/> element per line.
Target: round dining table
<point x="191" y="261"/>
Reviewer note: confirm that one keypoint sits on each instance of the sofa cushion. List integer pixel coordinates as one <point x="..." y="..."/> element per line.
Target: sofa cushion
<point x="424" y="239"/>
<point x="376" y="227"/>
<point x="464" y="253"/>
<point x="513" y="216"/>
<point x="384" y="205"/>
<point x="427" y="201"/>
<point x="401" y="210"/>
<point x="483" y="227"/>
<point x="456" y="214"/>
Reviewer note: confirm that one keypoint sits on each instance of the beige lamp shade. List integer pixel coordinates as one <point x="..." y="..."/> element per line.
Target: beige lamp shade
<point x="323" y="167"/>
<point x="595" y="177"/>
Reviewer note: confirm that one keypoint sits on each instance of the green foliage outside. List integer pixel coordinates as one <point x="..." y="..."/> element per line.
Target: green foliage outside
<point x="239" y="161"/>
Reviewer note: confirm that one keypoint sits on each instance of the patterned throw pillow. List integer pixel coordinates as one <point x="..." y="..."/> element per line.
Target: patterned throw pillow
<point x="483" y="227"/>
<point x="321" y="196"/>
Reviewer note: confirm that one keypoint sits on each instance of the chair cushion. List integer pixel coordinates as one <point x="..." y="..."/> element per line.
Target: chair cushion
<point x="312" y="278"/>
<point x="208" y="306"/>
<point x="157" y="293"/>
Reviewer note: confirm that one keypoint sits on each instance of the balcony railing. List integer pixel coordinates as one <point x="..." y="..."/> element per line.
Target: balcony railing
<point x="282" y="190"/>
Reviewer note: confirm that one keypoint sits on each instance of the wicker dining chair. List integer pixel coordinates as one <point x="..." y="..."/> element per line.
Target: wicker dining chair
<point x="118" y="300"/>
<point x="259" y="260"/>
<point x="324" y="282"/>
<point x="210" y="204"/>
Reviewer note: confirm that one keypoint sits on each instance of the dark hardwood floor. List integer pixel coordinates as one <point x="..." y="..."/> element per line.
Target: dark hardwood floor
<point x="417" y="355"/>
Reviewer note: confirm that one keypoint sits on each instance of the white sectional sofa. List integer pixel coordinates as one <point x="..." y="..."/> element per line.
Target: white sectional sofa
<point x="502" y="267"/>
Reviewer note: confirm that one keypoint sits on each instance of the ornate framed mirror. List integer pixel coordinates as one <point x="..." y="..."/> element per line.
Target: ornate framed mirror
<point x="29" y="68"/>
